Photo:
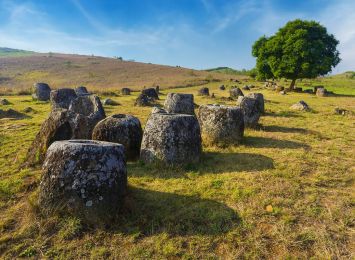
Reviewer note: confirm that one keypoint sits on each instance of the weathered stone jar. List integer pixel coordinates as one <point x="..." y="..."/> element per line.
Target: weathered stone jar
<point x="62" y="98"/>
<point x="122" y="129"/>
<point x="171" y="139"/>
<point x="221" y="125"/>
<point x="203" y="92"/>
<point x="151" y="93"/>
<point x="250" y="109"/>
<point x="179" y="103"/>
<point x="83" y="178"/>
<point x="41" y="91"/>
<point x="235" y="92"/>
<point x="259" y="101"/>
<point x="81" y="90"/>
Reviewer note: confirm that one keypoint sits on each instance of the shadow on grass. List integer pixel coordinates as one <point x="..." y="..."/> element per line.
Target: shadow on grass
<point x="284" y="129"/>
<point x="265" y="142"/>
<point x="211" y="162"/>
<point x="283" y="114"/>
<point x="149" y="212"/>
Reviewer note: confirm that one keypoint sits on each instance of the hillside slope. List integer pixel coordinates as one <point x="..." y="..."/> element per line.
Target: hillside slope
<point x="60" y="70"/>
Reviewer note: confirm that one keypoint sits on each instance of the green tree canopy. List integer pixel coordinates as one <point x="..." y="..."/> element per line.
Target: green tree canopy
<point x="300" y="49"/>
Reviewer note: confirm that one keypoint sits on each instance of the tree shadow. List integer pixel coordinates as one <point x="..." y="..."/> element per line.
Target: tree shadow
<point x="149" y="212"/>
<point x="342" y="95"/>
<point x="265" y="142"/>
<point x="283" y="129"/>
<point x="283" y="114"/>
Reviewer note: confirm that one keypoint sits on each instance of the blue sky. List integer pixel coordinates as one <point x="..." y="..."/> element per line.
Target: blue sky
<point x="191" y="33"/>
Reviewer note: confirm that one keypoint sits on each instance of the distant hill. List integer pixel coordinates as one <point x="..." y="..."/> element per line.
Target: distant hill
<point x="229" y="71"/>
<point x="21" y="69"/>
<point x="8" y="52"/>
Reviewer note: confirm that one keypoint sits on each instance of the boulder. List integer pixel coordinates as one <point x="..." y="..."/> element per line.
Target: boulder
<point x="110" y="102"/>
<point x="126" y="91"/>
<point x="260" y="101"/>
<point x="251" y="111"/>
<point x="61" y="98"/>
<point x="321" y="92"/>
<point x="222" y="87"/>
<point x="41" y="91"/>
<point x="235" y="92"/>
<point x="83" y="178"/>
<point x="76" y="122"/>
<point x="81" y="90"/>
<point x="122" y="129"/>
<point x="151" y="93"/>
<point x="179" y="103"/>
<point x="221" y="125"/>
<point x="171" y="139"/>
<point x="203" y="92"/>
<point x="4" y="102"/>
<point x="142" y="101"/>
<point x="301" y="106"/>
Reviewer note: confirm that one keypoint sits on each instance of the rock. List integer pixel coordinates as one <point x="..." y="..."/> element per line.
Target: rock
<point x="110" y="102"/>
<point x="142" y="101"/>
<point x="203" y="92"/>
<point x="4" y="102"/>
<point x="77" y="122"/>
<point x="122" y="129"/>
<point x="316" y="87"/>
<point x="283" y="92"/>
<point x="179" y="103"/>
<point x="126" y="91"/>
<point x="151" y="93"/>
<point x="213" y="96"/>
<point x="250" y="109"/>
<point x="342" y="111"/>
<point x="83" y="178"/>
<point x="260" y="101"/>
<point x="246" y="87"/>
<point x="221" y="125"/>
<point x="321" y="92"/>
<point x="41" y="92"/>
<point x="301" y="105"/>
<point x="157" y="89"/>
<point x="61" y="98"/>
<point x="235" y="92"/>
<point x="309" y="91"/>
<point x="171" y="139"/>
<point x="81" y="91"/>
<point x="222" y="87"/>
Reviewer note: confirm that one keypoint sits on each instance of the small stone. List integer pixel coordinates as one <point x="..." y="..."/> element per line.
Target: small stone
<point x="222" y="87"/>
<point x="4" y="101"/>
<point x="246" y="87"/>
<point x="301" y="106"/>
<point x="88" y="203"/>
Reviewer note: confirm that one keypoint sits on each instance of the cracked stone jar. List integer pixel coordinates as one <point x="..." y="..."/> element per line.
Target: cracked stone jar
<point x="84" y="178"/>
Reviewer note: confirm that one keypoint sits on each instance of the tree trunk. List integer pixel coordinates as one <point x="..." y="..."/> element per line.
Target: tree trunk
<point x="292" y="85"/>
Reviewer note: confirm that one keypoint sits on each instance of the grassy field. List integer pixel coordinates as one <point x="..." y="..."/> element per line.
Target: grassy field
<point x="286" y="193"/>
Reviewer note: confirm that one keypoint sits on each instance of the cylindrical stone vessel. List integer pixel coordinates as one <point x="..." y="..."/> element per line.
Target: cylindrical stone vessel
<point x="62" y="98"/>
<point x="179" y="103"/>
<point x="81" y="90"/>
<point x="221" y="125"/>
<point x="173" y="139"/>
<point x="122" y="129"/>
<point x="84" y="178"/>
<point x="259" y="101"/>
<point x="126" y="91"/>
<point x="41" y="91"/>
<point x="250" y="109"/>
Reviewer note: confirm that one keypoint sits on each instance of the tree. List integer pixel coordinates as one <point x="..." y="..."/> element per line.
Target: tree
<point x="300" y="49"/>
